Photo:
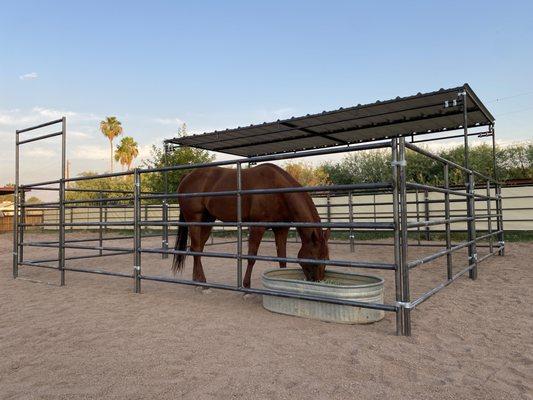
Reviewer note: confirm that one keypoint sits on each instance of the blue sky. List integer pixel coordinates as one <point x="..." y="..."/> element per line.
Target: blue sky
<point x="216" y="65"/>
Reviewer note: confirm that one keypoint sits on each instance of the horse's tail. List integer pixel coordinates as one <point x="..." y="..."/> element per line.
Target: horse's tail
<point x="181" y="244"/>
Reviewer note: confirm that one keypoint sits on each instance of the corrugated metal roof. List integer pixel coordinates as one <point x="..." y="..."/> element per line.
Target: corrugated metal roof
<point x="402" y="116"/>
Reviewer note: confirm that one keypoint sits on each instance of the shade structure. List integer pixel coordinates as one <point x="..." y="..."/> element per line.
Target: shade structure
<point x="437" y="111"/>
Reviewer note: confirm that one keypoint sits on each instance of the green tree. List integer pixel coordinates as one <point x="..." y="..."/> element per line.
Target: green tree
<point x="126" y="151"/>
<point x="155" y="181"/>
<point x="111" y="127"/>
<point x="98" y="187"/>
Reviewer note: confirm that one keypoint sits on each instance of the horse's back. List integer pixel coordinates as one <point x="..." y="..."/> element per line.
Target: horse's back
<point x="258" y="207"/>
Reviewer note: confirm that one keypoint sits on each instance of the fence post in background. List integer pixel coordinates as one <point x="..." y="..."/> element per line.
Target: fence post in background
<point x="397" y="238"/>
<point x="499" y="219"/>
<point x="71" y="218"/>
<point x="498" y="195"/>
<point x="449" y="265"/>
<point x="489" y="217"/>
<point x="62" y="202"/>
<point x="100" y="226"/>
<point x="164" y="239"/>
<point x="351" y="219"/>
<point x="15" y="210"/>
<point x="471" y="226"/>
<point x="239" y="225"/>
<point x="328" y="207"/>
<point x="23" y="219"/>
<point x="417" y="200"/>
<point x="427" y="235"/>
<point x="404" y="268"/>
<point x="137" y="231"/>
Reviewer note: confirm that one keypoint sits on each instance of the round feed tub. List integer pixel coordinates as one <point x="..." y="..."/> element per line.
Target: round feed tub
<point x="338" y="285"/>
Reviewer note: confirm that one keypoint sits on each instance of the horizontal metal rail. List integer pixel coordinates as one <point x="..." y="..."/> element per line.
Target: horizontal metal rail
<point x="245" y="192"/>
<point x="109" y="223"/>
<point x="44" y="183"/>
<point x="450" y="163"/>
<point x="117" y="253"/>
<point x="275" y="157"/>
<point x="365" y="225"/>
<point x="99" y="272"/>
<point x="40" y="265"/>
<point x="438" y="288"/>
<point x="31" y="128"/>
<point x="336" y="263"/>
<point x="75" y="246"/>
<point x="73" y="269"/>
<point x="432" y="257"/>
<point x="451" y="220"/>
<point x="450" y="191"/>
<point x="269" y="292"/>
<point x="99" y="200"/>
<point x="34" y="139"/>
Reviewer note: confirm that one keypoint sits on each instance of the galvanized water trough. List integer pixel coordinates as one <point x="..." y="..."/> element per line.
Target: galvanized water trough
<point x="347" y="286"/>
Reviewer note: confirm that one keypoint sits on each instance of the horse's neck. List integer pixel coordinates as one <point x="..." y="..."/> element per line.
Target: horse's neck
<point x="303" y="209"/>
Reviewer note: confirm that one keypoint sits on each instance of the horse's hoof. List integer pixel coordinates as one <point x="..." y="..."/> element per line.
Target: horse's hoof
<point x="202" y="289"/>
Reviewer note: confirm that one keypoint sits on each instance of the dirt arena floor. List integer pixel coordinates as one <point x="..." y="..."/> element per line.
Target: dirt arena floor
<point x="96" y="339"/>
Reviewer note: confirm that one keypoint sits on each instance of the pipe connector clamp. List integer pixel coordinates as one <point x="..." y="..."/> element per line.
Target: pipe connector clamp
<point x="404" y="304"/>
<point x="401" y="163"/>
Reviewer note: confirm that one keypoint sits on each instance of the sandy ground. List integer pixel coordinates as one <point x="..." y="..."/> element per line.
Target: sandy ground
<point x="94" y="338"/>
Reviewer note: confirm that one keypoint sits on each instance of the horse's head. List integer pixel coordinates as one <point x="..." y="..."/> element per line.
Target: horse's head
<point x="316" y="248"/>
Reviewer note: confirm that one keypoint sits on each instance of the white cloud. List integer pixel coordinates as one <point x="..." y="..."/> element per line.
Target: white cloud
<point x="29" y="76"/>
<point x="40" y="152"/>
<point x="90" y="152"/>
<point x="169" y="121"/>
<point x="77" y="134"/>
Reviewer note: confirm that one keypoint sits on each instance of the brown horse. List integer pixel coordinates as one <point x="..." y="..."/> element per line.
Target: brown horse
<point x="275" y="207"/>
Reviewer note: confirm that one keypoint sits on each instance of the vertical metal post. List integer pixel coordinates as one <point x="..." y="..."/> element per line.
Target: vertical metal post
<point x="239" y="225"/>
<point x="465" y="130"/>
<point x="489" y="217"/>
<point x="15" y="209"/>
<point x="427" y="235"/>
<point x="100" y="226"/>
<point x="22" y="202"/>
<point x="417" y="216"/>
<point x="137" y="231"/>
<point x="62" y="202"/>
<point x="404" y="269"/>
<point x="375" y="214"/>
<point x="449" y="265"/>
<point x="470" y="200"/>
<point x="71" y="218"/>
<point x="499" y="211"/>
<point x="351" y="219"/>
<point x="498" y="194"/>
<point x="397" y="239"/>
<point x="106" y="217"/>
<point x="164" y="239"/>
<point x="328" y="207"/>
<point x="471" y="226"/>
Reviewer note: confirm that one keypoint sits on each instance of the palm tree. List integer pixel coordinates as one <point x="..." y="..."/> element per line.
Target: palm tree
<point x="126" y="151"/>
<point x="111" y="128"/>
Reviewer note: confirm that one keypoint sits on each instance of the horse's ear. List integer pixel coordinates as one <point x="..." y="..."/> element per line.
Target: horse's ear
<point x="327" y="234"/>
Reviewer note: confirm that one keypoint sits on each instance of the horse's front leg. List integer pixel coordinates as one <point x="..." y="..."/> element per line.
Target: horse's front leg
<point x="256" y="235"/>
<point x="281" y="235"/>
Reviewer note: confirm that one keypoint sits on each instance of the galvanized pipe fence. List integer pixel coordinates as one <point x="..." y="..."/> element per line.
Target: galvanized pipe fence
<point x="399" y="224"/>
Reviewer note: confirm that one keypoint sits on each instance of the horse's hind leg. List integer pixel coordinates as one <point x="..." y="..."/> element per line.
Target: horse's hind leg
<point x="199" y="236"/>
<point x="281" y="244"/>
<point x="256" y="235"/>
